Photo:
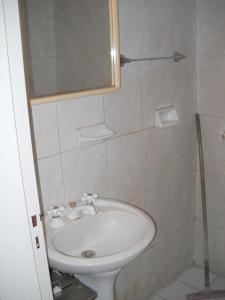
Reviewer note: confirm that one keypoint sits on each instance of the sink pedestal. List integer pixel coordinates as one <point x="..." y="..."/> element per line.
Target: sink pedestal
<point x="103" y="284"/>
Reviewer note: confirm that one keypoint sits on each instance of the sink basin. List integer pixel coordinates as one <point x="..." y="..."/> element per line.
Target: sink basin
<point x="97" y="247"/>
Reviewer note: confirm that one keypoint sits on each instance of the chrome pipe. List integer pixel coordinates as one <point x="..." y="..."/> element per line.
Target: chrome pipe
<point x="175" y="57"/>
<point x="204" y="202"/>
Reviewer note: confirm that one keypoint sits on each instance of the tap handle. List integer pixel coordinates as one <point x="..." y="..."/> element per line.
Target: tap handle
<point x="55" y="211"/>
<point x="89" y="198"/>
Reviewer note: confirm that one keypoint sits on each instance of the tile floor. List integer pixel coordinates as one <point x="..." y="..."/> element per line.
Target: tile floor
<point x="190" y="281"/>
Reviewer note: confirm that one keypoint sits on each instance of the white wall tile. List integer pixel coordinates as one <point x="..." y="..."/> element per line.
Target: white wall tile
<point x="194" y="276"/>
<point x="211" y="23"/>
<point x="134" y="280"/>
<point x="198" y="207"/>
<point x="75" y="114"/>
<point x="94" y="72"/>
<point x="85" y="171"/>
<point x="211" y="86"/>
<point x="219" y="240"/>
<point x="41" y="37"/>
<point x="214" y="148"/>
<point x="178" y="255"/>
<point x="51" y="181"/>
<point x="177" y="290"/>
<point x="83" y="34"/>
<point x="155" y="17"/>
<point x="218" y="284"/>
<point x="199" y="245"/>
<point x="125" y="167"/>
<point x="184" y="146"/>
<point x="128" y="27"/>
<point x="215" y="189"/>
<point x="139" y="203"/>
<point x="159" y="168"/>
<point x="40" y="8"/>
<point x="157" y="204"/>
<point x="168" y="153"/>
<point x="182" y="248"/>
<point x="165" y="84"/>
<point x="172" y="206"/>
<point x="45" y="130"/>
<point x="211" y="72"/>
<point x="184" y="26"/>
<point x="123" y="110"/>
<point x="156" y="88"/>
<point x="136" y="277"/>
<point x="44" y="76"/>
<point x="184" y="96"/>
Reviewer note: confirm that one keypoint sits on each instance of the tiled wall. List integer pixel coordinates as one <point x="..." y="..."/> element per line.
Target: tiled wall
<point x="40" y="51"/>
<point x="152" y="168"/>
<point x="54" y="49"/>
<point x="211" y="102"/>
<point x="82" y="45"/>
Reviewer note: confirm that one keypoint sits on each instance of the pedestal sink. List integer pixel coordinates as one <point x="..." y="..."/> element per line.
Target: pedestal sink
<point x="96" y="248"/>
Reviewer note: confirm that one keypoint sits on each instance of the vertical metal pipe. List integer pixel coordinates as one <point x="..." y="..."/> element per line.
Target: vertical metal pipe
<point x="204" y="202"/>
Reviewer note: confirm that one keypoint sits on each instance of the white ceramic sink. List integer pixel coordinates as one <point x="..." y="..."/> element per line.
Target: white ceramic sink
<point x="117" y="234"/>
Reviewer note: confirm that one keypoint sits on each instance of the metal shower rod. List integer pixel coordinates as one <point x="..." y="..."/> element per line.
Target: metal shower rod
<point x="175" y="57"/>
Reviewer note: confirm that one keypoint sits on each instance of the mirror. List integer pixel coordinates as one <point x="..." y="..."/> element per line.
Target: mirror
<point x="70" y="48"/>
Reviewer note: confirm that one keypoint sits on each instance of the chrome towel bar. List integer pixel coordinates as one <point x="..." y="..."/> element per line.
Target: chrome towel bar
<point x="175" y="57"/>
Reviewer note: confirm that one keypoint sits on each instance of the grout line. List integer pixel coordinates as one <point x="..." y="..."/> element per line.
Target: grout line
<point x="106" y="150"/>
<point x="217" y="277"/>
<point x="185" y="283"/>
<point x="211" y="273"/>
<point x="62" y="173"/>
<point x="214" y="173"/>
<point x="174" y="180"/>
<point x="199" y="55"/>
<point x="114" y="138"/>
<point x="205" y="115"/>
<point x="107" y="169"/>
<point x="188" y="285"/>
<point x="138" y="26"/>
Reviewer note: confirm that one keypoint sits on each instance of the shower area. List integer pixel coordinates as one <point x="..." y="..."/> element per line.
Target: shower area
<point x="155" y="169"/>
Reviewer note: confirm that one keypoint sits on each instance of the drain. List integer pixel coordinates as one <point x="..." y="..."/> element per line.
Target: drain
<point x="88" y="253"/>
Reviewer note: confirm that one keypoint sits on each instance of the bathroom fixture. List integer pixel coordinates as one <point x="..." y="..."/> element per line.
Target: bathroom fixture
<point x="86" y="206"/>
<point x="56" y="213"/>
<point x="96" y="248"/>
<point x="89" y="60"/>
<point x="93" y="135"/>
<point x="89" y="198"/>
<point x="82" y="210"/>
<point x="207" y="293"/>
<point x="166" y="117"/>
<point x="175" y="57"/>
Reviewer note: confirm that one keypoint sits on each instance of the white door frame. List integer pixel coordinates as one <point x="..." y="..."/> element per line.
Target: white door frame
<point x="23" y="264"/>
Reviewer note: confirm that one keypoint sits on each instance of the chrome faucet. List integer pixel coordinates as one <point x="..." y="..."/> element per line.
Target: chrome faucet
<point x="86" y="206"/>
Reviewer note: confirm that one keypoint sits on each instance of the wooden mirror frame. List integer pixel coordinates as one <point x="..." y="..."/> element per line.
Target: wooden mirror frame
<point x="115" y="54"/>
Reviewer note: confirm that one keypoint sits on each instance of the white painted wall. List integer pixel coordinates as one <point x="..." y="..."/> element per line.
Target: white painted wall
<point x="151" y="168"/>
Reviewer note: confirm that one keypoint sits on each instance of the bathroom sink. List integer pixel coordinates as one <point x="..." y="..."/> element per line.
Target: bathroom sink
<point x="104" y="242"/>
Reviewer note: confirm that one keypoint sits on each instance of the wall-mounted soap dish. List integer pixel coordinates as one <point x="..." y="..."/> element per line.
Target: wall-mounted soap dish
<point x="166" y="117"/>
<point x="93" y="135"/>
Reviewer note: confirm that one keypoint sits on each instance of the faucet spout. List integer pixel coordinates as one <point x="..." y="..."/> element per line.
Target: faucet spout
<point x="82" y="210"/>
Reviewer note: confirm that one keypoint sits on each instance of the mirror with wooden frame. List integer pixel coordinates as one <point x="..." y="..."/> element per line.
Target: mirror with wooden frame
<point x="70" y="48"/>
